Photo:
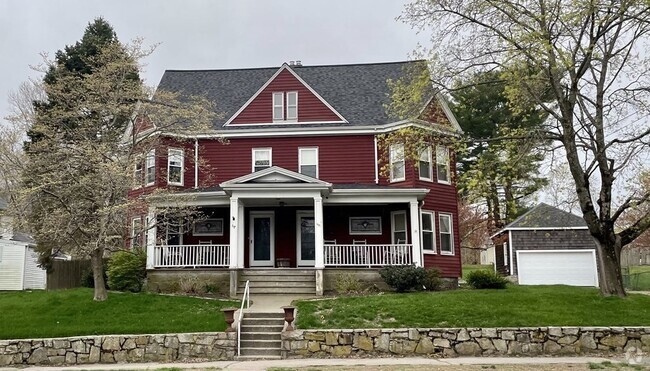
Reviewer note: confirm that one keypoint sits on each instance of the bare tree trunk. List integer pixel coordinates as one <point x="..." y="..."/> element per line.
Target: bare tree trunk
<point x="610" y="276"/>
<point x="97" y="260"/>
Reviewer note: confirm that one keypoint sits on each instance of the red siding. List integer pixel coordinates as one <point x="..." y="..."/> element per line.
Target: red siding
<point x="310" y="108"/>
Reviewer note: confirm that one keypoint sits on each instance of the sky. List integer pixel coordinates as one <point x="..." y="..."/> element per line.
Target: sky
<point x="202" y="34"/>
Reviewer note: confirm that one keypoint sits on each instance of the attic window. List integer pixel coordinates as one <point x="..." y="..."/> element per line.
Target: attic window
<point x="278" y="106"/>
<point x="285" y="106"/>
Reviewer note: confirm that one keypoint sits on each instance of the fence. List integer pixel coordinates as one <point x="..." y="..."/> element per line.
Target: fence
<point x="632" y="257"/>
<point x="66" y="274"/>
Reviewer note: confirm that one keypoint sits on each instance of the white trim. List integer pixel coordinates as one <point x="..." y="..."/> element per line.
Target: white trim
<point x="300" y="160"/>
<point x="181" y="153"/>
<point x="259" y="91"/>
<point x="430" y="160"/>
<point x="450" y="115"/>
<point x="196" y="163"/>
<point x="392" y="226"/>
<point x="506" y="229"/>
<point x="512" y="270"/>
<point x="593" y="252"/>
<point x="287" y="118"/>
<point x="299" y="261"/>
<point x="138" y="180"/>
<point x="262" y="149"/>
<point x="376" y="160"/>
<point x="274" y="106"/>
<point x="303" y="180"/>
<point x="391" y="161"/>
<point x="363" y="233"/>
<point x="251" y="246"/>
<point x="451" y="234"/>
<point x="150" y="155"/>
<point x="433" y="231"/>
<point x="447" y="164"/>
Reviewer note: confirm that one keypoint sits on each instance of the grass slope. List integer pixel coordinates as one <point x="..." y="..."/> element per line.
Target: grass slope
<point x="34" y="314"/>
<point x="515" y="306"/>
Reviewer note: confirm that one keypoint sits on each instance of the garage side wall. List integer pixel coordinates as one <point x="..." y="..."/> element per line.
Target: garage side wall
<point x="549" y="240"/>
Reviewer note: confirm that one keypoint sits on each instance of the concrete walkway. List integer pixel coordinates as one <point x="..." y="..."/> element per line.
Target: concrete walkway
<point x="295" y="363"/>
<point x="272" y="303"/>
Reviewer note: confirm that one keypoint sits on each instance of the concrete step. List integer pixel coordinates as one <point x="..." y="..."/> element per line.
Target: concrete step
<point x="262" y="321"/>
<point x="277" y="278"/>
<point x="277" y="272"/>
<point x="260" y="352"/>
<point x="260" y="336"/>
<point x="255" y="358"/>
<point x="257" y="284"/>
<point x="264" y="314"/>
<point x="281" y="290"/>
<point x="261" y="344"/>
<point x="275" y="329"/>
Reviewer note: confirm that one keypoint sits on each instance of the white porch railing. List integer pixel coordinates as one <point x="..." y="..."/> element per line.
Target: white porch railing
<point x="170" y="256"/>
<point x="368" y="255"/>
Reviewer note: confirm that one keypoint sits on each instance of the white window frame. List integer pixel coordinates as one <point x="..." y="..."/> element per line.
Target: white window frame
<point x="393" y="152"/>
<point x="451" y="233"/>
<point x="177" y="152"/>
<point x="432" y="215"/>
<point x="255" y="150"/>
<point x="289" y="118"/>
<point x="150" y="163"/>
<point x="393" y="225"/>
<point x="137" y="236"/>
<point x="275" y="105"/>
<point x="505" y="254"/>
<point x="427" y="152"/>
<point x="446" y="163"/>
<point x="301" y="161"/>
<point x="138" y="174"/>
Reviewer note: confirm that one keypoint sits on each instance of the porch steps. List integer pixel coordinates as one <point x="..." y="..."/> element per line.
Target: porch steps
<point x="260" y="335"/>
<point x="278" y="281"/>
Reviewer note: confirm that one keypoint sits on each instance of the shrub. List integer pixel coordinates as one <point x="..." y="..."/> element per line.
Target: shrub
<point x="88" y="280"/>
<point x="432" y="280"/>
<point x="347" y="283"/>
<point x="403" y="278"/>
<point x="189" y="284"/>
<point x="127" y="270"/>
<point x="484" y="279"/>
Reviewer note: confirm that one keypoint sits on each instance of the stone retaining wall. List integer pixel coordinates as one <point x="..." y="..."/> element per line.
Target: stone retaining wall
<point x="118" y="349"/>
<point x="451" y="342"/>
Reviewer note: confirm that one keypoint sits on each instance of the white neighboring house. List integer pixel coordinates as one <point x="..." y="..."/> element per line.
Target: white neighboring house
<point x="19" y="268"/>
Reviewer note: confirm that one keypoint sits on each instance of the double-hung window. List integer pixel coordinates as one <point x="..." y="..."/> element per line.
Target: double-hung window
<point x="261" y="158"/>
<point x="398" y="227"/>
<point x="442" y="164"/>
<point x="138" y="171"/>
<point x="446" y="234"/>
<point x="175" y="166"/>
<point x="150" y="168"/>
<point x="397" y="166"/>
<point x="136" y="233"/>
<point x="428" y="234"/>
<point x="424" y="165"/>
<point x="285" y="106"/>
<point x="292" y="106"/>
<point x="278" y="106"/>
<point x="308" y="161"/>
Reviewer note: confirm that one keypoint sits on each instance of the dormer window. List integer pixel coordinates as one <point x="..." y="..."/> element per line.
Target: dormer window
<point x="285" y="106"/>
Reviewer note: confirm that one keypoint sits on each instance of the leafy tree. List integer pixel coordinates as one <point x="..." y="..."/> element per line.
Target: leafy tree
<point x="584" y="64"/>
<point x="84" y="145"/>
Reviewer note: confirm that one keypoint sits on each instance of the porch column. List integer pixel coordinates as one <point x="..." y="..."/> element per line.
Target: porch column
<point x="242" y="245"/>
<point x="319" y="258"/>
<point x="234" y="231"/>
<point x="151" y="237"/>
<point x="415" y="233"/>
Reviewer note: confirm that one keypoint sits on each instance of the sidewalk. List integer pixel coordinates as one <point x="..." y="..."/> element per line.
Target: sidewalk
<point x="262" y="365"/>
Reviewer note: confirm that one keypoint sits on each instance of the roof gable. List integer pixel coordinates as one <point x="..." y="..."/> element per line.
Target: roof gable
<point x="274" y="175"/>
<point x="547" y="217"/>
<point x="312" y="107"/>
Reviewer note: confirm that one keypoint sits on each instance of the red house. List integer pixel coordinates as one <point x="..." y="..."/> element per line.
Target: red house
<point x="294" y="194"/>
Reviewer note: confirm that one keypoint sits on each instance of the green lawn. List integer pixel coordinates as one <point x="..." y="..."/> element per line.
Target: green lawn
<point x="32" y="314"/>
<point x="638" y="278"/>
<point x="514" y="306"/>
<point x="471" y="268"/>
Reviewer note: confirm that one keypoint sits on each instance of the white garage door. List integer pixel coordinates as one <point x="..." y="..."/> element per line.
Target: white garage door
<point x="557" y="267"/>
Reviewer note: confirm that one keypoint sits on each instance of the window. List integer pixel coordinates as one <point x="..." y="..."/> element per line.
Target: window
<point x="428" y="234"/>
<point x="151" y="168"/>
<point x="308" y="161"/>
<point x="424" y="165"/>
<point x="442" y="164"/>
<point x="398" y="227"/>
<point x="292" y="105"/>
<point x="446" y="236"/>
<point x="261" y="158"/>
<point x="278" y="106"/>
<point x="138" y="171"/>
<point x="397" y="163"/>
<point x="136" y="233"/>
<point x="175" y="166"/>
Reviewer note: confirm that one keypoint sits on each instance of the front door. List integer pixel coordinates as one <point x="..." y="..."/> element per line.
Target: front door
<point x="306" y="242"/>
<point x="262" y="239"/>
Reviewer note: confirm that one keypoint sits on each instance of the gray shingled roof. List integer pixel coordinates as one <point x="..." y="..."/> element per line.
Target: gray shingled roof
<point x="357" y="91"/>
<point x="547" y="216"/>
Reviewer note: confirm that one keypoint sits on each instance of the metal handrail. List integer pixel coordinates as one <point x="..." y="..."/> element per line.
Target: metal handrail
<point x="245" y="299"/>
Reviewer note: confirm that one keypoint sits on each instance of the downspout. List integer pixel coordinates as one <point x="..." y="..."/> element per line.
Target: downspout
<point x="196" y="163"/>
<point x="376" y="160"/>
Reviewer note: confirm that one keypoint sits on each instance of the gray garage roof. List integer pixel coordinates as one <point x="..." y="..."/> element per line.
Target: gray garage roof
<point x="357" y="91"/>
<point x="547" y="217"/>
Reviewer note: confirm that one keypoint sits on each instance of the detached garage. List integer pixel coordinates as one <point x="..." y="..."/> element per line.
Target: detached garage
<point x="19" y="268"/>
<point x="547" y="246"/>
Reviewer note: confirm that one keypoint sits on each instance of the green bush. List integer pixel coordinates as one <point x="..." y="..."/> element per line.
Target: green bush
<point x="484" y="279"/>
<point x="127" y="270"/>
<point x="403" y="278"/>
<point x="88" y="280"/>
<point x="347" y="283"/>
<point x="432" y="280"/>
